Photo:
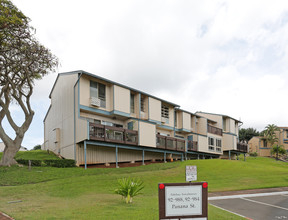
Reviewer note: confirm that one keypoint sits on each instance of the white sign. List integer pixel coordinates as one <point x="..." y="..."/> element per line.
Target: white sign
<point x="183" y="200"/>
<point x="191" y="173"/>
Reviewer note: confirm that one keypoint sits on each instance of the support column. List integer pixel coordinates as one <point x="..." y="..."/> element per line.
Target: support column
<point x="203" y="156"/>
<point x="237" y="156"/>
<point x="182" y="159"/>
<point x="165" y="157"/>
<point x="211" y="157"/>
<point x="116" y="153"/>
<point x="198" y="157"/>
<point x="229" y="155"/>
<point x="244" y="157"/>
<point x="143" y="157"/>
<point x="85" y="154"/>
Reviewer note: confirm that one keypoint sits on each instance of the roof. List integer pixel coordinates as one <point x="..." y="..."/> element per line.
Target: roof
<point x="283" y="127"/>
<point x="81" y="72"/>
<point x="226" y="116"/>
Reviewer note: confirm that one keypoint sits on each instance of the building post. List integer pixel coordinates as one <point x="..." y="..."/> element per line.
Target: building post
<point x="116" y="152"/>
<point x="198" y="157"/>
<point x="85" y="154"/>
<point x="143" y="157"/>
<point x="245" y="157"/>
<point x="229" y="155"/>
<point x="164" y="156"/>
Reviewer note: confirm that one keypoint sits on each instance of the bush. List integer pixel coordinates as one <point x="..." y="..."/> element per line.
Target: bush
<point x="128" y="188"/>
<point x="48" y="163"/>
<point x="253" y="154"/>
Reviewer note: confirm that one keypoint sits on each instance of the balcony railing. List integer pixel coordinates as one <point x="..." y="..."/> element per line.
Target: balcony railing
<point x="112" y="134"/>
<point x="170" y="143"/>
<point x="192" y="146"/>
<point x="214" y="130"/>
<point x="242" y="147"/>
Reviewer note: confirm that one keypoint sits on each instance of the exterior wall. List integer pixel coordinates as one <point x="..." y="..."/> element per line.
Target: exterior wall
<point x="257" y="145"/>
<point x="232" y="126"/>
<point x="179" y="116"/>
<point x="203" y="144"/>
<point x="99" y="154"/>
<point x="216" y="118"/>
<point x="85" y="93"/>
<point x="202" y="126"/>
<point x="60" y="116"/>
<point x="154" y="109"/>
<point x="186" y="121"/>
<point x="147" y="134"/>
<point x="229" y="142"/>
<point x="121" y="99"/>
<point x="193" y="123"/>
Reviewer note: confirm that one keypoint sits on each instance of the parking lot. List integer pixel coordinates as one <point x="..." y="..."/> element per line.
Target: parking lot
<point x="260" y="206"/>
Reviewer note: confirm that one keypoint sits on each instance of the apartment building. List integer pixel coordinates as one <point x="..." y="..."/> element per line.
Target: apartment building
<point x="97" y="121"/>
<point x="263" y="148"/>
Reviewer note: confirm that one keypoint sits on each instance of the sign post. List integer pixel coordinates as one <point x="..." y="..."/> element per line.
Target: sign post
<point x="191" y="173"/>
<point x="183" y="200"/>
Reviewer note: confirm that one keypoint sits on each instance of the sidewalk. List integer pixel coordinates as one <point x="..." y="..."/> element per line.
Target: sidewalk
<point x="250" y="191"/>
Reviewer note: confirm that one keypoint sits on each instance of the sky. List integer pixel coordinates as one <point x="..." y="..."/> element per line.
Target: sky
<point x="226" y="57"/>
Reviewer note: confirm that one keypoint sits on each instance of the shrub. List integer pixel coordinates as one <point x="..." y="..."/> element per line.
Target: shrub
<point x="51" y="163"/>
<point x="128" y="188"/>
<point x="253" y="154"/>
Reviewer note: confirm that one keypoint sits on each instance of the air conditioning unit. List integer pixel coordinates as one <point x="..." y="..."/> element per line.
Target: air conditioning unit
<point x="95" y="101"/>
<point x="163" y="120"/>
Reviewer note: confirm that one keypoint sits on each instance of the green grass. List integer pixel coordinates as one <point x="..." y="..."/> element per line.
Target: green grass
<point x="75" y="193"/>
<point x="35" y="155"/>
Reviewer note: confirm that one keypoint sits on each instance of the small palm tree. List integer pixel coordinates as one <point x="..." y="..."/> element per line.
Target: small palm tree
<point x="128" y="188"/>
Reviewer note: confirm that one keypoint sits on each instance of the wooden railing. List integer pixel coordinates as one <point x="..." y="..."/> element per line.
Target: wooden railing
<point x="170" y="143"/>
<point x="112" y="134"/>
<point x="242" y="147"/>
<point x="192" y="146"/>
<point x="214" y="130"/>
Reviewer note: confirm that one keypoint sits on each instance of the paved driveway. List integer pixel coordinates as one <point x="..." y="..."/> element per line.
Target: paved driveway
<point x="261" y="206"/>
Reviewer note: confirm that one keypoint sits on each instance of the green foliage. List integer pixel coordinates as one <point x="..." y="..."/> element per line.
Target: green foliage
<point x="253" y="154"/>
<point x="37" y="147"/>
<point x="129" y="188"/>
<point x="269" y="133"/>
<point x="278" y="148"/>
<point x="36" y="155"/>
<point x="52" y="163"/>
<point x="245" y="134"/>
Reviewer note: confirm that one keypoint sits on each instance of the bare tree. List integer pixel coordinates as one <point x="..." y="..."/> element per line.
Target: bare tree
<point x="22" y="61"/>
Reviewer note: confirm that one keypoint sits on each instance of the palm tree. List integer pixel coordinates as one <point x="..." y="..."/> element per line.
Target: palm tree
<point x="270" y="135"/>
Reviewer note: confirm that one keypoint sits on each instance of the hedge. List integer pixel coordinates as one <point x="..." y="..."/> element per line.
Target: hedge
<point x="48" y="163"/>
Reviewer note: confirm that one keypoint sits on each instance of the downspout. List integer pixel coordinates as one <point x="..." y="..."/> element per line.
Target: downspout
<point x="75" y="115"/>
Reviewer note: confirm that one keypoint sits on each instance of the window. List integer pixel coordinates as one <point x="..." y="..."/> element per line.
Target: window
<point x="264" y="143"/>
<point x="142" y="104"/>
<point x="165" y="111"/>
<point x="98" y="90"/>
<point x="218" y="145"/>
<point x="132" y="103"/>
<point x="211" y="144"/>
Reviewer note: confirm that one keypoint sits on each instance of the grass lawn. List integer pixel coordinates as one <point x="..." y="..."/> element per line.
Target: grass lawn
<point x="75" y="193"/>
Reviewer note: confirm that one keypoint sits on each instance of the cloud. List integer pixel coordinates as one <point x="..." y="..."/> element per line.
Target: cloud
<point x="225" y="57"/>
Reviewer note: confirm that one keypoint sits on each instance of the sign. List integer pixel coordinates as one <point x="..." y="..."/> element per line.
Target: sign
<point x="183" y="200"/>
<point x="191" y="173"/>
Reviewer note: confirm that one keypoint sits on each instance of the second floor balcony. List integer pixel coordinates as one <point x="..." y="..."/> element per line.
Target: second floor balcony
<point x="242" y="147"/>
<point x="112" y="134"/>
<point x="170" y="143"/>
<point x="214" y="130"/>
<point x="192" y="146"/>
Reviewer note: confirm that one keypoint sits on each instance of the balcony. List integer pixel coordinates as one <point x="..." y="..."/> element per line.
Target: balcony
<point x="242" y="147"/>
<point x="170" y="143"/>
<point x="214" y="130"/>
<point x="112" y="134"/>
<point x="192" y="146"/>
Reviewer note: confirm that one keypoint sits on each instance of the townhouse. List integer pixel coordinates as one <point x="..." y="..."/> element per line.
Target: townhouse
<point x="97" y="121"/>
<point x="263" y="148"/>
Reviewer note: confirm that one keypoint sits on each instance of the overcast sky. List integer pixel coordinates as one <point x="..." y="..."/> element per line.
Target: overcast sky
<point x="226" y="57"/>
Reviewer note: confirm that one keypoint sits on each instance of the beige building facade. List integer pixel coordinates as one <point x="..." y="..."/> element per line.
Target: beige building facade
<point x="263" y="148"/>
<point x="95" y="120"/>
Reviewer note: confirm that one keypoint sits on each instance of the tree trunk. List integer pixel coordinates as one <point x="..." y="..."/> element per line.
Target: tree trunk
<point x="9" y="154"/>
